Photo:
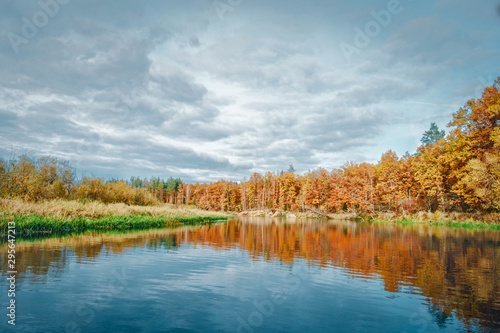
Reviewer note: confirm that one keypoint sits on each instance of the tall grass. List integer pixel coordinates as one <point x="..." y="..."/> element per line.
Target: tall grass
<point x="53" y="217"/>
<point x="471" y="225"/>
<point x="71" y="209"/>
<point x="33" y="225"/>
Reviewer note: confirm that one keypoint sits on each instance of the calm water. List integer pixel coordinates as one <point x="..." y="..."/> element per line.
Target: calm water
<point x="259" y="275"/>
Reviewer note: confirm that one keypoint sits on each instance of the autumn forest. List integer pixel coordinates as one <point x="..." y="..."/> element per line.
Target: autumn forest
<point x="457" y="172"/>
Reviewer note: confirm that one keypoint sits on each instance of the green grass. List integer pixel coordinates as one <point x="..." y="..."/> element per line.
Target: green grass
<point x="30" y="225"/>
<point x="450" y="224"/>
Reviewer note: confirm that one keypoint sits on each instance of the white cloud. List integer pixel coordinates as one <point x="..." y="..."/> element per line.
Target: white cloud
<point x="168" y="89"/>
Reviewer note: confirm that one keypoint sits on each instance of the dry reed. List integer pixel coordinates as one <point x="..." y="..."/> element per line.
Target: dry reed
<point x="71" y="209"/>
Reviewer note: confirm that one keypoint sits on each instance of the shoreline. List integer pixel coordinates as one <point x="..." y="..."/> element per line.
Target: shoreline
<point x="31" y="225"/>
<point x="450" y="224"/>
<point x="450" y="219"/>
<point x="62" y="217"/>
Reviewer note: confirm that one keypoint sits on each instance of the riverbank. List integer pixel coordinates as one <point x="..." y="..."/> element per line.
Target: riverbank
<point x="34" y="225"/>
<point x="33" y="219"/>
<point x="316" y="214"/>
<point x="71" y="209"/>
<point x="450" y="219"/>
<point x="68" y="216"/>
<point x="450" y="224"/>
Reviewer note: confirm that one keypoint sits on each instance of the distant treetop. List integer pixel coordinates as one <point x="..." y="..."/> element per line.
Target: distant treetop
<point x="433" y="135"/>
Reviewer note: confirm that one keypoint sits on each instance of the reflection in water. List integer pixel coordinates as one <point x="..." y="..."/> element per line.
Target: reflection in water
<point x="458" y="270"/>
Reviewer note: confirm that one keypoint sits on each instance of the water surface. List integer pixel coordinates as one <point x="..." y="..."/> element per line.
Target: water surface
<point x="259" y="275"/>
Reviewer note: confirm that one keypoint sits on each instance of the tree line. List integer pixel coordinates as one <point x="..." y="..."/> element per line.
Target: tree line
<point x="457" y="172"/>
<point x="47" y="178"/>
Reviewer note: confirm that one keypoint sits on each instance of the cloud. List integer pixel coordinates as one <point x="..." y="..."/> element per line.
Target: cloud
<point x="166" y="88"/>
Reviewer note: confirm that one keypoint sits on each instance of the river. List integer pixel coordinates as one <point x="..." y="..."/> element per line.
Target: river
<point x="258" y="275"/>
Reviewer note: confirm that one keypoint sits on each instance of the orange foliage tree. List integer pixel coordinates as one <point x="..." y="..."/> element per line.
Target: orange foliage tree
<point x="459" y="172"/>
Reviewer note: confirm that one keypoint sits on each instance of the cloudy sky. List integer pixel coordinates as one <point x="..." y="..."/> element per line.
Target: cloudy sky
<point x="204" y="90"/>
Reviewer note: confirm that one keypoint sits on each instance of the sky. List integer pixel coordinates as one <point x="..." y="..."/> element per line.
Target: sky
<point x="206" y="90"/>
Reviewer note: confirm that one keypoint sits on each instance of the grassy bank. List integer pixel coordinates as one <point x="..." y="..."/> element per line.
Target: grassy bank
<point x="447" y="219"/>
<point x="462" y="225"/>
<point x="33" y="225"/>
<point x="61" y="217"/>
<point x="71" y="209"/>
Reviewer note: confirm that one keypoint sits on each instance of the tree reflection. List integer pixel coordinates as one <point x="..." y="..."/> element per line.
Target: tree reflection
<point x="458" y="270"/>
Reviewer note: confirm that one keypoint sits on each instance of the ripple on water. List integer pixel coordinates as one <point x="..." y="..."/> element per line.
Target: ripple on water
<point x="324" y="277"/>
